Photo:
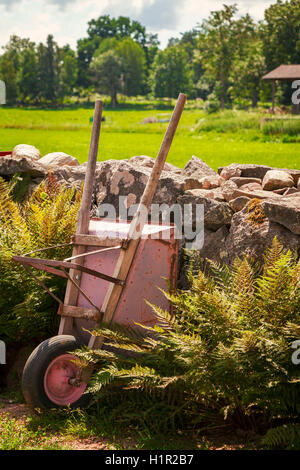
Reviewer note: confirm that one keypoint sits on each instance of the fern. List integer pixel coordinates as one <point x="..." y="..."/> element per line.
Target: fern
<point x="48" y="217"/>
<point x="226" y="350"/>
<point x="286" y="436"/>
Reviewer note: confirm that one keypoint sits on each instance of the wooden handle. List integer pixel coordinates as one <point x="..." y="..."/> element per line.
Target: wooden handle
<point x="139" y="220"/>
<point x="84" y="212"/>
<point x="124" y="262"/>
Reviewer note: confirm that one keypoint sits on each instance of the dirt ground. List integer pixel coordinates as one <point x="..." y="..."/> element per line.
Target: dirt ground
<point x="21" y="412"/>
<point x="237" y="440"/>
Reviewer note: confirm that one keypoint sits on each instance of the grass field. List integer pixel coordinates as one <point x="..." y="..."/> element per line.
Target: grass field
<point x="220" y="139"/>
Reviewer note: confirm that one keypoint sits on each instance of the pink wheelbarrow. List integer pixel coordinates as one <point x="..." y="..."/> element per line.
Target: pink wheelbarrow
<point x="115" y="266"/>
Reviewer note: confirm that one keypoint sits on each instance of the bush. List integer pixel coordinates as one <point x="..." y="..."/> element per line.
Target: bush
<point x="225" y="355"/>
<point x="47" y="218"/>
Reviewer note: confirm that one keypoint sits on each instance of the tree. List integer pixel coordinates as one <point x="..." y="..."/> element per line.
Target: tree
<point x="170" y="73"/>
<point x="28" y="86"/>
<point x="106" y="70"/>
<point x="68" y="72"/>
<point x="247" y="72"/>
<point x="18" y="53"/>
<point x="102" y="28"/>
<point x="281" y="33"/>
<point x="48" y="70"/>
<point x="133" y="65"/>
<point x="8" y="74"/>
<point x="220" y="38"/>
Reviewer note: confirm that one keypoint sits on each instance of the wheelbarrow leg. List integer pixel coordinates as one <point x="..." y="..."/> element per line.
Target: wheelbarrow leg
<point x="71" y="296"/>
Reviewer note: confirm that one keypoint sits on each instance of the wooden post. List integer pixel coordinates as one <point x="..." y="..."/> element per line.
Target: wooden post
<point x="71" y="296"/>
<point x="273" y="96"/>
<point x="136" y="227"/>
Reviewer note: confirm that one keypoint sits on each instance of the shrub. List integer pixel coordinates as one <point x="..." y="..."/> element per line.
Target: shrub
<point x="47" y="218"/>
<point x="225" y="353"/>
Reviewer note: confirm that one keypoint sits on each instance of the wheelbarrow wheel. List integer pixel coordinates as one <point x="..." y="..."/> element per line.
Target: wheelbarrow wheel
<point x="50" y="377"/>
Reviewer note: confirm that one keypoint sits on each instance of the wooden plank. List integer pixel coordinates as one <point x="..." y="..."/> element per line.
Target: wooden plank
<point x="71" y="296"/>
<point x="92" y="240"/>
<point x="79" y="312"/>
<point x="136" y="227"/>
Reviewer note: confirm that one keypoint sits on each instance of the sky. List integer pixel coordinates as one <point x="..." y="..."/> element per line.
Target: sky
<point x="67" y="19"/>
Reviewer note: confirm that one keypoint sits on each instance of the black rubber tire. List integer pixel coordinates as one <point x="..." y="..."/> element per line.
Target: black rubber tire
<point x="36" y="366"/>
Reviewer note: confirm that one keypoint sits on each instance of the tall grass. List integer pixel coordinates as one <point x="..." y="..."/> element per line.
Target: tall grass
<point x="288" y="126"/>
<point x="228" y="121"/>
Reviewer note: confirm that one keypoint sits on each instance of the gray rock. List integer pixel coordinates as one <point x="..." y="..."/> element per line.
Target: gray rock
<point x="248" y="170"/>
<point x="285" y="211"/>
<point x="252" y="240"/>
<point x="216" y="214"/>
<point x="239" y="203"/>
<point x="26" y="151"/>
<point x="214" y="248"/>
<point x="277" y="179"/>
<point x="9" y="166"/>
<point x="121" y="178"/>
<point x="258" y="171"/>
<point x="241" y="181"/>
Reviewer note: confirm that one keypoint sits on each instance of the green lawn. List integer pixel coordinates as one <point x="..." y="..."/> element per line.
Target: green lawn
<point x="218" y="139"/>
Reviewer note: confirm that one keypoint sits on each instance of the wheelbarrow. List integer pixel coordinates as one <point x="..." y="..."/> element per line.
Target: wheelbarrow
<point x="115" y="266"/>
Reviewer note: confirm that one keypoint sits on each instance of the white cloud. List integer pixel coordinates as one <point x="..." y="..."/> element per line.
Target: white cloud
<point x="67" y="19"/>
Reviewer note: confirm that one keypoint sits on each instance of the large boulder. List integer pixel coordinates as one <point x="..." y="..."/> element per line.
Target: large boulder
<point x="115" y="179"/>
<point x="214" y="248"/>
<point x="277" y="179"/>
<point x="58" y="159"/>
<point x="285" y="211"/>
<point x="216" y="214"/>
<point x="10" y="166"/>
<point x="26" y="151"/>
<point x="252" y="239"/>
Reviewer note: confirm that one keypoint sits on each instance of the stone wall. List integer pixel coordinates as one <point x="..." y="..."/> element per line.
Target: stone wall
<point x="245" y="205"/>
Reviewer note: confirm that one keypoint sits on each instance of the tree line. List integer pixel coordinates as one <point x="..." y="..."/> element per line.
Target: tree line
<point x="221" y="60"/>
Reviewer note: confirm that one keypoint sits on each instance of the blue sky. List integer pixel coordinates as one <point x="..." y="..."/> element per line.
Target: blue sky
<point x="67" y="19"/>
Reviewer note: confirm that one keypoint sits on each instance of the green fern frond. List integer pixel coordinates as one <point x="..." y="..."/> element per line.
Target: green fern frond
<point x="286" y="437"/>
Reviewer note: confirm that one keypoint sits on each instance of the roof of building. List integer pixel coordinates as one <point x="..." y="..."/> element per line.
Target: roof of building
<point x="284" y="72"/>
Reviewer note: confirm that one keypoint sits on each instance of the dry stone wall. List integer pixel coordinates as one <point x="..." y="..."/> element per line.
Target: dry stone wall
<point x="245" y="205"/>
